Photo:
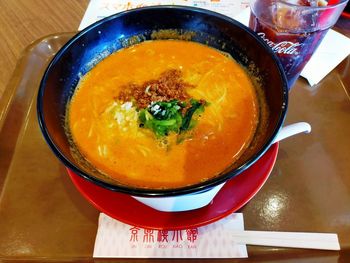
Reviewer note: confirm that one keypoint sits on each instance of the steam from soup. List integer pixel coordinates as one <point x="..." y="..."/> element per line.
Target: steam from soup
<point x="218" y="101"/>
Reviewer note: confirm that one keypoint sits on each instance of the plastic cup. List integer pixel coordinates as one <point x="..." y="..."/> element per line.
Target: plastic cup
<point x="294" y="28"/>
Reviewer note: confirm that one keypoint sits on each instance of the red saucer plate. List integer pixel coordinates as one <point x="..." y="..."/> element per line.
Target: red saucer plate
<point x="235" y="194"/>
<point x="346" y="14"/>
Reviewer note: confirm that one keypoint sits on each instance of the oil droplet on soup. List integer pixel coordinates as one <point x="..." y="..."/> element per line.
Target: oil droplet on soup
<point x="104" y="114"/>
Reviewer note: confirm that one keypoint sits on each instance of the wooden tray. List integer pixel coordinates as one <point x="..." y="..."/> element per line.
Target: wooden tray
<point x="44" y="218"/>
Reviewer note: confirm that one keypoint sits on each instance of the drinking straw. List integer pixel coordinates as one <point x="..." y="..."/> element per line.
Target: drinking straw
<point x="333" y="2"/>
<point x="328" y="13"/>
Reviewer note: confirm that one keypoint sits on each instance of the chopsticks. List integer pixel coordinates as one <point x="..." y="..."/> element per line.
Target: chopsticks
<point x="325" y="241"/>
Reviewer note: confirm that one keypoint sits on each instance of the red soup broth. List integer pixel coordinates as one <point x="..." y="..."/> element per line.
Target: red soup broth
<point x="106" y="130"/>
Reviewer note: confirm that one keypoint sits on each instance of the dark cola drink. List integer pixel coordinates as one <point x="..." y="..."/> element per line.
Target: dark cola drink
<point x="293" y="50"/>
<point x="293" y="30"/>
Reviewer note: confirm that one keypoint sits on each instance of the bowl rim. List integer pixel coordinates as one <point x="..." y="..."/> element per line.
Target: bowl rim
<point x="148" y="192"/>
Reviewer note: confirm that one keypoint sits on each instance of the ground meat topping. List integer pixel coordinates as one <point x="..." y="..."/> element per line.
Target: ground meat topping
<point x="169" y="86"/>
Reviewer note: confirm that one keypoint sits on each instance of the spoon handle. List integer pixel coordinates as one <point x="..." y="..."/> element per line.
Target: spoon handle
<point x="291" y="130"/>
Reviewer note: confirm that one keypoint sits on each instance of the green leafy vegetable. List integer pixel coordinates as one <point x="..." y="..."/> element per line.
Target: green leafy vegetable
<point x="163" y="117"/>
<point x="196" y="107"/>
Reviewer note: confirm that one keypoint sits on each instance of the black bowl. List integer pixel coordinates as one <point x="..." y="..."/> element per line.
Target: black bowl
<point x="96" y="42"/>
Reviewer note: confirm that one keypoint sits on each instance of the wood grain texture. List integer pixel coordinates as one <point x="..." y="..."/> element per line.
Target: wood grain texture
<point x="24" y="21"/>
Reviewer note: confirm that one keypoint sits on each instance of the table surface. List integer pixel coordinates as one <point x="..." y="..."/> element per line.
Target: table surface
<point x="24" y="21"/>
<point x="308" y="190"/>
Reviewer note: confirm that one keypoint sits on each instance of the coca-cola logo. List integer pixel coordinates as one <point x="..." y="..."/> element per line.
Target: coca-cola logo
<point x="284" y="47"/>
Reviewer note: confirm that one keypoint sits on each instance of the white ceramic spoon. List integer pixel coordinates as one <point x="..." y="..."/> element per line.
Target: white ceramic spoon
<point x="291" y="130"/>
